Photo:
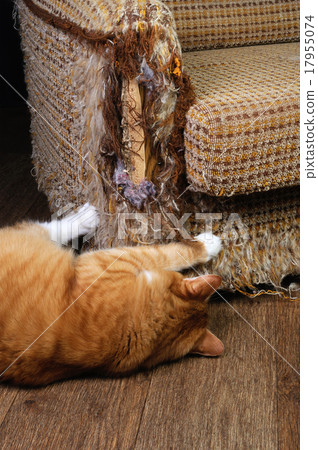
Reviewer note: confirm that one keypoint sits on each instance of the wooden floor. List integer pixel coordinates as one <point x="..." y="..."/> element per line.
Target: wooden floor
<point x="246" y="399"/>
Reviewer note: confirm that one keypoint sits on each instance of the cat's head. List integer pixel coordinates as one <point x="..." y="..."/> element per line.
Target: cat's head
<point x="184" y="302"/>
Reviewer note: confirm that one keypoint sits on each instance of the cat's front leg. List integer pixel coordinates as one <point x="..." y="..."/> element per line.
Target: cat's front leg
<point x="200" y="250"/>
<point x="176" y="255"/>
<point x="81" y="223"/>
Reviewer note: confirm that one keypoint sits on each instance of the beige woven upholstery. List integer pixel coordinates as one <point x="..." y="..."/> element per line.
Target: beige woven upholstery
<point x="57" y="126"/>
<point x="260" y="234"/>
<point x="242" y="133"/>
<point x="204" y="24"/>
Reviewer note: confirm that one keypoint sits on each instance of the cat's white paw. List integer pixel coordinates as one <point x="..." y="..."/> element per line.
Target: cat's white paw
<point x="85" y="219"/>
<point x="81" y="223"/>
<point x="212" y="243"/>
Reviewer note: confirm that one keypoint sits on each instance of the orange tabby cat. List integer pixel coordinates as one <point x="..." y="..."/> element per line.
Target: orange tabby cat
<point x="108" y="312"/>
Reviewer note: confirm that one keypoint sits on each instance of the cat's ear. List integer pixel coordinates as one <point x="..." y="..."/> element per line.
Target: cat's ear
<point x="208" y="345"/>
<point x="201" y="287"/>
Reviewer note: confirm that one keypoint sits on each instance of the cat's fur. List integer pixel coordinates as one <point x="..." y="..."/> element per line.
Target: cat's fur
<point x="108" y="312"/>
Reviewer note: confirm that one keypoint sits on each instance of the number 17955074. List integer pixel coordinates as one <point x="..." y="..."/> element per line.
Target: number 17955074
<point x="309" y="44"/>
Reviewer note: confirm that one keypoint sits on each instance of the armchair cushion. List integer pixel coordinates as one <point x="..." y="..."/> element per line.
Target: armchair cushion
<point x="206" y="24"/>
<point x="242" y="133"/>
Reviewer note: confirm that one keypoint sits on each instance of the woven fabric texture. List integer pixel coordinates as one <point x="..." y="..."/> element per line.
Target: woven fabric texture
<point x="56" y="93"/>
<point x="260" y="234"/>
<point x="242" y="134"/>
<point x="205" y="24"/>
<point x="99" y="19"/>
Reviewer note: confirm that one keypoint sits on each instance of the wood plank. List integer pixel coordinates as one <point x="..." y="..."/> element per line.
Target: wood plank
<point x="226" y="402"/>
<point x="287" y="323"/>
<point x="7" y="397"/>
<point x="132" y="111"/>
<point x="84" y="413"/>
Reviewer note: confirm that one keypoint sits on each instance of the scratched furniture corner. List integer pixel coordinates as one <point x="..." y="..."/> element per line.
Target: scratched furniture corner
<point x="164" y="109"/>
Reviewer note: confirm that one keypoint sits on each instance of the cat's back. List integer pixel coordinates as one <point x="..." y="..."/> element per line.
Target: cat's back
<point x="33" y="269"/>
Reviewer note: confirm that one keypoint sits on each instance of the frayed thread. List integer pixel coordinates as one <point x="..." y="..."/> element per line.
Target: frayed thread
<point x="137" y="195"/>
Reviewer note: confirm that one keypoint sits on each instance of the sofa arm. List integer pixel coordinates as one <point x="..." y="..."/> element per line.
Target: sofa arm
<point x="102" y="19"/>
<point x="141" y="41"/>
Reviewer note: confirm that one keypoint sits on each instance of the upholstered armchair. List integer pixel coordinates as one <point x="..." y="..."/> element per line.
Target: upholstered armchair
<point x="185" y="113"/>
